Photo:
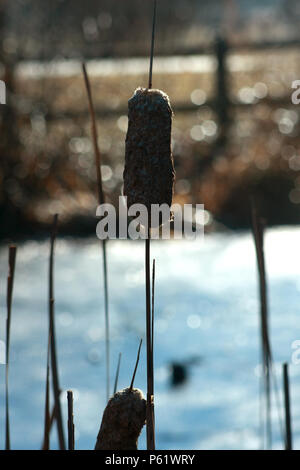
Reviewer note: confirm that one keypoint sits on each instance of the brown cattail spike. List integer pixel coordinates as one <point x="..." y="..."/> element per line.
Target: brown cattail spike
<point x="122" y="421"/>
<point x="149" y="170"/>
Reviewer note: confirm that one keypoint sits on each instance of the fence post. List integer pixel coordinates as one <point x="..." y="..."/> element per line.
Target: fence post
<point x="222" y="99"/>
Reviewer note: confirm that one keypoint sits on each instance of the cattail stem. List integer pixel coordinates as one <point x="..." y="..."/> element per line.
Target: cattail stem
<point x="101" y="200"/>
<point x="149" y="414"/>
<point x="54" y="367"/>
<point x="288" y="426"/>
<point x="71" y="428"/>
<point x="152" y="314"/>
<point x="152" y="352"/>
<point x="152" y="45"/>
<point x="107" y="338"/>
<point x="10" y="283"/>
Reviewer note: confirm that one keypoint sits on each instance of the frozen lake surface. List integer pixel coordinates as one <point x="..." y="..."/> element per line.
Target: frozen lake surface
<point x="206" y="307"/>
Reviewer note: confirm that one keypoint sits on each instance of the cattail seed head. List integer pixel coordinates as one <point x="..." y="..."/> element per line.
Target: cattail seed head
<point x="122" y="421"/>
<point x="149" y="170"/>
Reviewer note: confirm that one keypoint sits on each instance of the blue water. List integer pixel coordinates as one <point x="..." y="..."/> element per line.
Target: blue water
<point x="206" y="308"/>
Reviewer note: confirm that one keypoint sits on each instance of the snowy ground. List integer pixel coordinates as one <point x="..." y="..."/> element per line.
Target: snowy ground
<point x="206" y="306"/>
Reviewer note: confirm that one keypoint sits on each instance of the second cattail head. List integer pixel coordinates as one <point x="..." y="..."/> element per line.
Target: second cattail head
<point x="122" y="421"/>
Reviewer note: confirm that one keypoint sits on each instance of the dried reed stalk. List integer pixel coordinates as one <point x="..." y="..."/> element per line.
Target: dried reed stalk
<point x="258" y="232"/>
<point x="101" y="200"/>
<point x="51" y="421"/>
<point x="136" y="365"/>
<point x="54" y="366"/>
<point x="288" y="425"/>
<point x="266" y="351"/>
<point x="152" y="46"/>
<point x="47" y="418"/>
<point x="117" y="373"/>
<point x="152" y="349"/>
<point x="10" y="284"/>
<point x="71" y="427"/>
<point x="150" y="422"/>
<point x="153" y="292"/>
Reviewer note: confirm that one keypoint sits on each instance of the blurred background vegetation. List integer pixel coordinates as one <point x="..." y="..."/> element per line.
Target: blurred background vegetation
<point x="227" y="66"/>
